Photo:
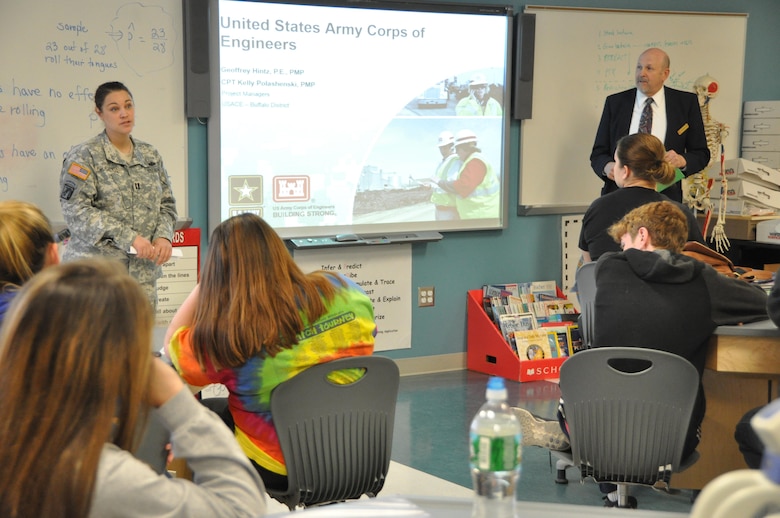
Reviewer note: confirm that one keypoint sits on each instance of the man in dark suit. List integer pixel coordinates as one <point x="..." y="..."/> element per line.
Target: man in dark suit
<point x="675" y="120"/>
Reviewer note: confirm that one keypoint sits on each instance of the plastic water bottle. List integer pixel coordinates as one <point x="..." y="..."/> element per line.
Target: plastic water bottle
<point x="495" y="455"/>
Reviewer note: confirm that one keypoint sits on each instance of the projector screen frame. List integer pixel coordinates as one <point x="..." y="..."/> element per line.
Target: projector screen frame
<point x="216" y="182"/>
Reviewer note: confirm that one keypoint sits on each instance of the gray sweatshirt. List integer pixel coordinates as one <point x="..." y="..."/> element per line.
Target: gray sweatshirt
<point x="225" y="484"/>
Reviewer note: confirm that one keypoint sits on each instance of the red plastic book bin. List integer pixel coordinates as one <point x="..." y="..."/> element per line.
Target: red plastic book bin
<point x="488" y="352"/>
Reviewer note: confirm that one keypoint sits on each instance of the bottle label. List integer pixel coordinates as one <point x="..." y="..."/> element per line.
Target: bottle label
<point x="495" y="453"/>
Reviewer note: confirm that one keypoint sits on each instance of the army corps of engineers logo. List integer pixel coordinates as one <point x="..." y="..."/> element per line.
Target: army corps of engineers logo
<point x="291" y="188"/>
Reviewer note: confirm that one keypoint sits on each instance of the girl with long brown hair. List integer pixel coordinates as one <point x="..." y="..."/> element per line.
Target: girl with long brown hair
<point x="257" y="320"/>
<point x="77" y="377"/>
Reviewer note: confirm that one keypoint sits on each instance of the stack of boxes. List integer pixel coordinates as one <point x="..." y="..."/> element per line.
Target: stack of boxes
<point x="753" y="188"/>
<point x="753" y="181"/>
<point x="761" y="144"/>
<point x="761" y="132"/>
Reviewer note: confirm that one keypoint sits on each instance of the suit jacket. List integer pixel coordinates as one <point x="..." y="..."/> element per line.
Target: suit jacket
<point x="682" y="108"/>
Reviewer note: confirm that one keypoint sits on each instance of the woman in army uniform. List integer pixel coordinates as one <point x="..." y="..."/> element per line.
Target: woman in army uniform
<point x="115" y="194"/>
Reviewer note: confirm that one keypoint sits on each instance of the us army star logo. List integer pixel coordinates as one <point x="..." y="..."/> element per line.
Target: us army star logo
<point x="246" y="190"/>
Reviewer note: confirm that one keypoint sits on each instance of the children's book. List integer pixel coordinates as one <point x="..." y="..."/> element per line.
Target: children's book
<point x="500" y="290"/>
<point x="549" y="307"/>
<point x="575" y="337"/>
<point x="498" y="308"/>
<point x="511" y="322"/>
<point x="518" y="305"/>
<point x="561" y="334"/>
<point x="544" y="290"/>
<point x="535" y="345"/>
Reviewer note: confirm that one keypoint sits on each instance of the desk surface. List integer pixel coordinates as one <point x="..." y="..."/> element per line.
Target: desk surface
<point x="438" y="507"/>
<point x="762" y="328"/>
<point x="742" y="366"/>
<point x="749" y="349"/>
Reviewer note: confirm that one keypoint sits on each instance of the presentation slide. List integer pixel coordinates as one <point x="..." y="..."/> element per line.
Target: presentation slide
<point x="330" y="117"/>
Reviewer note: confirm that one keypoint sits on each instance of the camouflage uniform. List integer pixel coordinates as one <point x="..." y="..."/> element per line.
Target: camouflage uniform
<point x="107" y="202"/>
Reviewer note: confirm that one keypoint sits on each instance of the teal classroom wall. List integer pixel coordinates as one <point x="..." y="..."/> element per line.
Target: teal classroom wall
<point x="529" y="248"/>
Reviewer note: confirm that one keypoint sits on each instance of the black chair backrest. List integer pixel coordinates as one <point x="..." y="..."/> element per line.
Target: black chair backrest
<point x="628" y="410"/>
<point x="336" y="439"/>
<point x="586" y="294"/>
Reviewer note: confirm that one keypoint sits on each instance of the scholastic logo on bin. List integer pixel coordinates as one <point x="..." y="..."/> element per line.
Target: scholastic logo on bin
<point x="533" y="370"/>
<point x="543" y="371"/>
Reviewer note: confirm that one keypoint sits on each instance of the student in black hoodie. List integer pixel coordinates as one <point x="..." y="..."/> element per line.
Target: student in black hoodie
<point x="684" y="300"/>
<point x="651" y="295"/>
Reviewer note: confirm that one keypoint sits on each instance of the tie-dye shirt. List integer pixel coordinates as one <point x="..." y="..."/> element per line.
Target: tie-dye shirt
<point x="346" y="329"/>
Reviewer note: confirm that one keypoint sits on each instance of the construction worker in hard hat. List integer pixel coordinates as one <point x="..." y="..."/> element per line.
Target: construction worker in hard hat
<point x="478" y="102"/>
<point x="447" y="170"/>
<point x="477" y="188"/>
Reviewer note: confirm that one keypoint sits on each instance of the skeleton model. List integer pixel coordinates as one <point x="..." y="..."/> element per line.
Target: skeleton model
<point x="698" y="195"/>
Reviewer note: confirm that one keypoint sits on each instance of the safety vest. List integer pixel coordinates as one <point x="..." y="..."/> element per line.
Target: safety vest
<point x="483" y="202"/>
<point x="469" y="106"/>
<point x="447" y="170"/>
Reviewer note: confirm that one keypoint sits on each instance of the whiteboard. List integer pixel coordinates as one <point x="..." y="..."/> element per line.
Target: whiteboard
<point x="583" y="55"/>
<point x="53" y="59"/>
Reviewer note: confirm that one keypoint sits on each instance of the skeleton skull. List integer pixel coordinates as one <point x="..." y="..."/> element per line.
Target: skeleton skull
<point x="706" y="88"/>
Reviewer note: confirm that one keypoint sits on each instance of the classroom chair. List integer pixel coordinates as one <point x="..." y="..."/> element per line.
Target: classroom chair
<point x="336" y="439"/>
<point x="585" y="278"/>
<point x="628" y="411"/>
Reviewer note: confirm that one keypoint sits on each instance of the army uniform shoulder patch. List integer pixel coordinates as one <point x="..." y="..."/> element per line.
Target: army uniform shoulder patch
<point x="79" y="171"/>
<point x="68" y="189"/>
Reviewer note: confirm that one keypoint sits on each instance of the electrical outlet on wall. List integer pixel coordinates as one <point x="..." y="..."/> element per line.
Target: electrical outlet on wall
<point x="425" y="296"/>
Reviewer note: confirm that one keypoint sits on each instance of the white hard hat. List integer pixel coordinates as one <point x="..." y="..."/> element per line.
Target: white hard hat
<point x="465" y="136"/>
<point x="478" y="79"/>
<point x="446" y="138"/>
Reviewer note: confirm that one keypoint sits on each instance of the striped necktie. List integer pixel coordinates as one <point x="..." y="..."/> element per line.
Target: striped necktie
<point x="646" y="120"/>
